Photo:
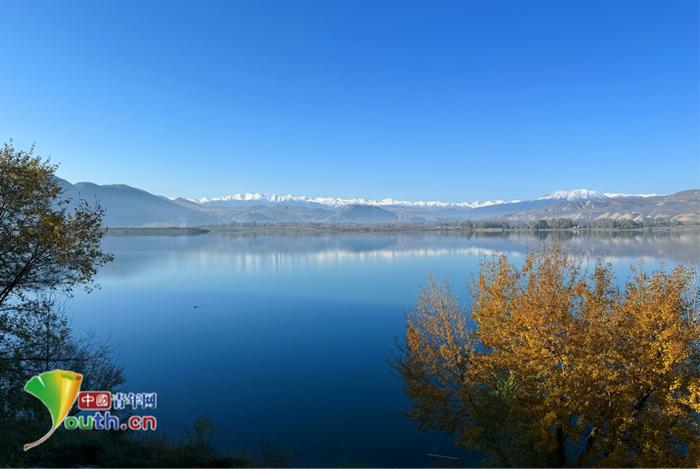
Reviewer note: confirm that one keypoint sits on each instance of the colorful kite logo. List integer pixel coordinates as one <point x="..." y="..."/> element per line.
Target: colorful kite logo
<point x="57" y="390"/>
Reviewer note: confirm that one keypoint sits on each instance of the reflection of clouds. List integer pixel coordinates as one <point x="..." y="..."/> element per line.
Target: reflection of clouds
<point x="251" y="254"/>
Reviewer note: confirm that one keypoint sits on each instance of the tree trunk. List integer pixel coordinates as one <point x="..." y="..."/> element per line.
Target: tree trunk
<point x="561" y="447"/>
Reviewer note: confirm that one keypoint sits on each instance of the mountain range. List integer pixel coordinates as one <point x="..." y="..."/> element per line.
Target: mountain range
<point x="126" y="206"/>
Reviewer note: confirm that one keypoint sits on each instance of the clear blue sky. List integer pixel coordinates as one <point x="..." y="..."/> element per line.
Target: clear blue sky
<point x="421" y="100"/>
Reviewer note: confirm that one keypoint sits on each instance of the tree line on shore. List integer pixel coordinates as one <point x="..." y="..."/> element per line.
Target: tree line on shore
<point x="556" y="224"/>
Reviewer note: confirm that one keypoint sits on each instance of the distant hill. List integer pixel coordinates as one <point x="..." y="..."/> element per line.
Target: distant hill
<point x="681" y="206"/>
<point x="366" y="214"/>
<point x="127" y="206"/>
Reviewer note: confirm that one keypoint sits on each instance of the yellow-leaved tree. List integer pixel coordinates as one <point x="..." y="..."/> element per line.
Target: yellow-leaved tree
<point x="551" y="366"/>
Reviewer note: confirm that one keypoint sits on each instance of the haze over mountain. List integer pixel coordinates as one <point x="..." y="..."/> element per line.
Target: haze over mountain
<point x="127" y="206"/>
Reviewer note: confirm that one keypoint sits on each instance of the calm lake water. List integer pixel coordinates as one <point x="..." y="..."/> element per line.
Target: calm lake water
<point x="285" y="342"/>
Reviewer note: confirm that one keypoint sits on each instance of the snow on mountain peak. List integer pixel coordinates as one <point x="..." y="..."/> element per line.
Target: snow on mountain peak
<point x="619" y="194"/>
<point x="267" y="199"/>
<point x="337" y="201"/>
<point x="574" y="194"/>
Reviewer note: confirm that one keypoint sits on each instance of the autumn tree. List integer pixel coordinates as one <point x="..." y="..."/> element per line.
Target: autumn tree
<point x="552" y="366"/>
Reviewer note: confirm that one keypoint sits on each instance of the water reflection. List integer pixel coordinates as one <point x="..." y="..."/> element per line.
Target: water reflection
<point x="286" y="339"/>
<point x="254" y="253"/>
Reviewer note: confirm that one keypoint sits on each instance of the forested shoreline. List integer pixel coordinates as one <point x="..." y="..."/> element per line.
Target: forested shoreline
<point x="476" y="226"/>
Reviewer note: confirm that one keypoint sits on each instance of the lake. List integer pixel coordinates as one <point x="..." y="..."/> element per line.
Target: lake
<point x="285" y="342"/>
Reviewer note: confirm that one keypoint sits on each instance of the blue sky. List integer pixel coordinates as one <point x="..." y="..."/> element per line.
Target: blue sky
<point x="440" y="100"/>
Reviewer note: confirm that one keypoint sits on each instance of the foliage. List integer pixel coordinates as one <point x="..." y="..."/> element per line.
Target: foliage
<point x="555" y="224"/>
<point x="43" y="341"/>
<point x="123" y="449"/>
<point x="554" y="367"/>
<point x="48" y="246"/>
<point x="46" y="242"/>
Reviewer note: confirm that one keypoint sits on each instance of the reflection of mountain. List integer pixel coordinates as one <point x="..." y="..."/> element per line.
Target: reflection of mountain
<point x="677" y="247"/>
<point x="128" y="207"/>
<point x="250" y="253"/>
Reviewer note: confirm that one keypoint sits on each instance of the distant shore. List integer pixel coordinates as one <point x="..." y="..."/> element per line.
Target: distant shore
<point x="156" y="231"/>
<point x="322" y="228"/>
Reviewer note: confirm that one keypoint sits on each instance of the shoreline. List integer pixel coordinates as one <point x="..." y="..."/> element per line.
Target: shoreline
<point x="305" y="228"/>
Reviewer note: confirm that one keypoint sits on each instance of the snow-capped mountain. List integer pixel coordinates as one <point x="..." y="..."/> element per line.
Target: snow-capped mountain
<point x="131" y="207"/>
<point x="260" y="198"/>
<point x="587" y="194"/>
<point x="574" y="194"/>
<point x="618" y="195"/>
<point x="269" y="199"/>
